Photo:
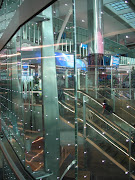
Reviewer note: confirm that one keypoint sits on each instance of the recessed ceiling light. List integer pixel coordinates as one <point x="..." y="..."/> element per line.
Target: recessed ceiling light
<point x="83" y="20"/>
<point x="126" y="36"/>
<point x="65" y="4"/>
<point x="103" y="161"/>
<point x="126" y="1"/>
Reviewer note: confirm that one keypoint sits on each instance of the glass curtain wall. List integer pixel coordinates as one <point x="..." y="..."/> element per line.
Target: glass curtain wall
<point x="57" y="82"/>
<point x="7" y="12"/>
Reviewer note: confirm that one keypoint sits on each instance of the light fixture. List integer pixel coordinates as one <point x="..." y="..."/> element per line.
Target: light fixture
<point x="83" y="20"/>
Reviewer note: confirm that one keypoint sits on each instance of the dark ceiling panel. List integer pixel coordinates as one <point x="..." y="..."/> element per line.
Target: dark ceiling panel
<point x="1" y="2"/>
<point x="132" y="4"/>
<point x="23" y="14"/>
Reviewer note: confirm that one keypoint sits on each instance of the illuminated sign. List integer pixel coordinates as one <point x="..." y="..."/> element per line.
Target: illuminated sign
<point x="67" y="60"/>
<point x="114" y="61"/>
<point x="84" y="46"/>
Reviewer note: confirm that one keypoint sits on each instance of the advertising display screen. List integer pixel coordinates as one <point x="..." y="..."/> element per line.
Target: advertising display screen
<point x="63" y="60"/>
<point x="67" y="60"/>
<point x="114" y="61"/>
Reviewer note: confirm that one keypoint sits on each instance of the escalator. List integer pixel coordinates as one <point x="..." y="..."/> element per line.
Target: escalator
<point x="94" y="105"/>
<point x="107" y="135"/>
<point x="124" y="106"/>
<point x="16" y="167"/>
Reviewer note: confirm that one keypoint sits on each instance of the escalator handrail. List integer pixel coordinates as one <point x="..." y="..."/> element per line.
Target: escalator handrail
<point x="100" y="150"/>
<point x="120" y="130"/>
<point x="19" y="173"/>
<point x="112" y="113"/>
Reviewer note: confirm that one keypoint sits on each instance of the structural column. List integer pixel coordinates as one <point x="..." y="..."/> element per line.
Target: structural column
<point x="95" y="36"/>
<point x="95" y="27"/>
<point x="50" y="97"/>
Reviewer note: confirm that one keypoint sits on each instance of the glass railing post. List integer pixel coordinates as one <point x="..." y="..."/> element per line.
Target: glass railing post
<point x="66" y="46"/>
<point x="31" y="101"/>
<point x="80" y="50"/>
<point x="62" y="45"/>
<point x="70" y="47"/>
<point x="66" y="78"/>
<point x="34" y="36"/>
<point x="29" y="31"/>
<point x="83" y="51"/>
<point x="86" y="82"/>
<point x="75" y="87"/>
<point x="111" y="83"/>
<point x="26" y="31"/>
<point x="84" y="116"/>
<point x="78" y="81"/>
<point x="113" y="95"/>
<point x="129" y="153"/>
<point x="130" y="84"/>
<point x="38" y="34"/>
<point x="96" y="82"/>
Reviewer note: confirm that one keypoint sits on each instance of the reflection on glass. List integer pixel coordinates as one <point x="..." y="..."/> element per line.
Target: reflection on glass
<point x="38" y="91"/>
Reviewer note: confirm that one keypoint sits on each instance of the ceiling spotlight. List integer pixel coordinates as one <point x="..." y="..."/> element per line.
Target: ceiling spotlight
<point x="126" y="36"/>
<point x="126" y="1"/>
<point x="83" y="20"/>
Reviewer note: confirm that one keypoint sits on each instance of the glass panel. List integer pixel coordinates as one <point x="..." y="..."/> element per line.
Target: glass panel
<point x="7" y="171"/>
<point x="7" y="12"/>
<point x="64" y="55"/>
<point x="11" y="105"/>
<point x="31" y="86"/>
<point x="39" y="102"/>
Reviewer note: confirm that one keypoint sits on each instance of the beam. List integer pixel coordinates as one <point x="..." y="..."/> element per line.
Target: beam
<point x="23" y="14"/>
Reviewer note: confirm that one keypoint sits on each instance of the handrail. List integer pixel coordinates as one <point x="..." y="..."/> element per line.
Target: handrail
<point x="67" y="169"/>
<point x="10" y="162"/>
<point x="99" y="130"/>
<point x="19" y="170"/>
<point x="101" y="105"/>
<point x="98" y="148"/>
<point x="107" y="121"/>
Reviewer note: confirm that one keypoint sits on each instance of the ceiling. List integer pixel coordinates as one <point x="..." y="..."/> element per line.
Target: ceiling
<point x="121" y="14"/>
<point x="118" y="17"/>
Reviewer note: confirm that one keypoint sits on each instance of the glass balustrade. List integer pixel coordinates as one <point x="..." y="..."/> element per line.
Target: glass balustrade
<point x="52" y="92"/>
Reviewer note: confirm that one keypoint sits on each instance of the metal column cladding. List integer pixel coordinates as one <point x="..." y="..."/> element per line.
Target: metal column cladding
<point x="15" y="86"/>
<point x="95" y="26"/>
<point x="50" y="100"/>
